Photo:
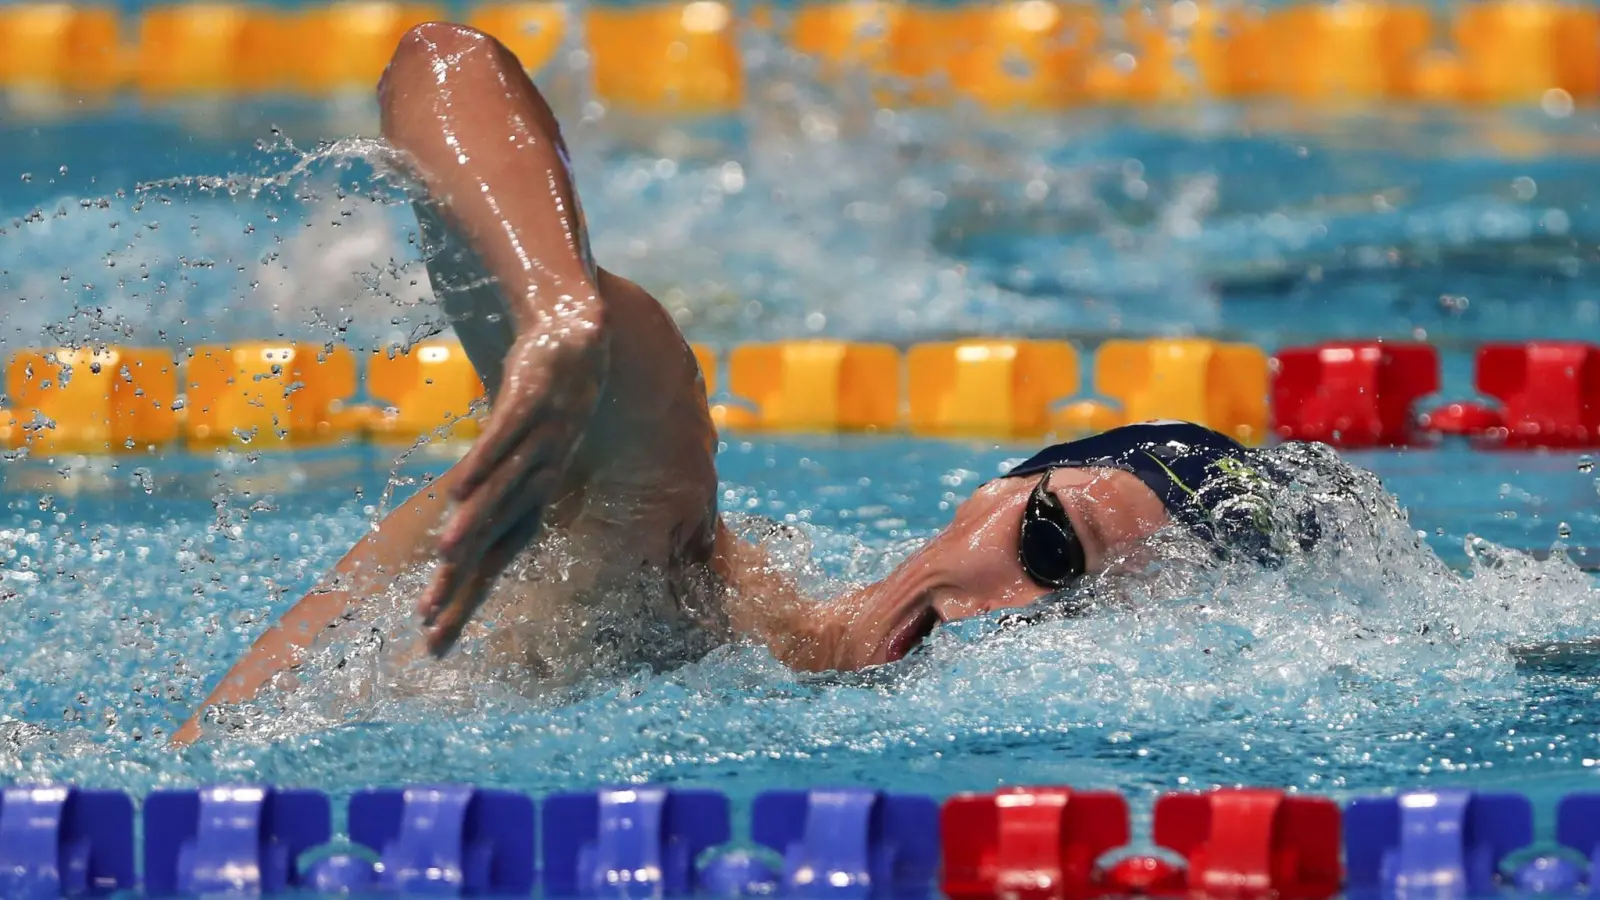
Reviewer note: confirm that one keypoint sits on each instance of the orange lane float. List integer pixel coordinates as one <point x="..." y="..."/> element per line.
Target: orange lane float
<point x="993" y="388"/>
<point x="92" y="399"/>
<point x="854" y="34"/>
<point x="428" y="389"/>
<point x="190" y="48"/>
<point x="666" y="58"/>
<point x="1222" y="386"/>
<point x="812" y="386"/>
<point x="534" y="31"/>
<point x="269" y="394"/>
<point x="344" y="47"/>
<point x="58" y="46"/>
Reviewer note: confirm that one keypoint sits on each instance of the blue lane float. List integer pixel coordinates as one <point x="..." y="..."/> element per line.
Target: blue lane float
<point x="230" y="839"/>
<point x="1449" y="843"/>
<point x="630" y="842"/>
<point x="849" y="844"/>
<point x="436" y="840"/>
<point x="64" y="841"/>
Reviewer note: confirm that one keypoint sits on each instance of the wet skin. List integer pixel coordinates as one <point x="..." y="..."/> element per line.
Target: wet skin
<point x="598" y="443"/>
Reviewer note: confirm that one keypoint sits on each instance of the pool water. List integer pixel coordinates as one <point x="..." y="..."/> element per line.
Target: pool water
<point x="130" y="584"/>
<point x="130" y="589"/>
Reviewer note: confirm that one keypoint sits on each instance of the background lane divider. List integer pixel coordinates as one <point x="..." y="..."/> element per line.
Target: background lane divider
<point x="1351" y="394"/>
<point x="684" y="57"/>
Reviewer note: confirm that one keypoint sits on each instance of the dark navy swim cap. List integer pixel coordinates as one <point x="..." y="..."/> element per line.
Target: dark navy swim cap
<point x="1194" y="471"/>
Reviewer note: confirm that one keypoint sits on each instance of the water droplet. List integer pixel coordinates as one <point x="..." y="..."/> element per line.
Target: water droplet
<point x="1564" y="531"/>
<point x="1586" y="463"/>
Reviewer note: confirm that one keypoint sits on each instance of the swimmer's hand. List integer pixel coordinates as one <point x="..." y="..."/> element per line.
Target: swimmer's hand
<point x="553" y="379"/>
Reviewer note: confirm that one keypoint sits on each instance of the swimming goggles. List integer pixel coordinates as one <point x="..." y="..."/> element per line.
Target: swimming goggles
<point x="1049" y="548"/>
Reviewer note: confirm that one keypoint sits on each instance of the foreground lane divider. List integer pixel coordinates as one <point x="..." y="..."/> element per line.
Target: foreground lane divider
<point x="429" y="840"/>
<point x="230" y="839"/>
<point x="1048" y="842"/>
<point x="1029" y="842"/>
<point x="65" y="841"/>
<point x="658" y="835"/>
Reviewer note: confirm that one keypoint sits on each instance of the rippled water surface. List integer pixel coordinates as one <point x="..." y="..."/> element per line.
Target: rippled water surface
<point x="129" y="585"/>
<point x="129" y="591"/>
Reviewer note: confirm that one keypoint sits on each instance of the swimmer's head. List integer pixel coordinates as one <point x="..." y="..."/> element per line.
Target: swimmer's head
<point x="1011" y="544"/>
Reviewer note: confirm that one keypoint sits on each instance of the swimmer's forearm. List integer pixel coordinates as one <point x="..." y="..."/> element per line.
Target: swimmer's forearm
<point x="399" y="544"/>
<point x="277" y="651"/>
<point x="504" y="186"/>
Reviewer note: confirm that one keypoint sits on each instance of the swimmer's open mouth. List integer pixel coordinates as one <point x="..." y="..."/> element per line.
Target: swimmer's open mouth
<point x="913" y="632"/>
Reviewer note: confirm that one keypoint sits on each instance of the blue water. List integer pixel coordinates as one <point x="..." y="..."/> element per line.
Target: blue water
<point x="129" y="590"/>
<point x="129" y="585"/>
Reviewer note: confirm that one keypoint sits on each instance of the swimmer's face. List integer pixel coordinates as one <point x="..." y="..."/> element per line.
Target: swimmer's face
<point x="973" y="566"/>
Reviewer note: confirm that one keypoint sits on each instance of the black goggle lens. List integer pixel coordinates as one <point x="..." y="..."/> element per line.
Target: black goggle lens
<point x="1050" y="550"/>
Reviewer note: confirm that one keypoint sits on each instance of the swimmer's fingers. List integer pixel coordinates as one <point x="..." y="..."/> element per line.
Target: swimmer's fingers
<point x="512" y="493"/>
<point x="508" y="424"/>
<point x="460" y="597"/>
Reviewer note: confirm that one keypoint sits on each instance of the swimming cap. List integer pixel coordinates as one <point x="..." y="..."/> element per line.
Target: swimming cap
<point x="1206" y="480"/>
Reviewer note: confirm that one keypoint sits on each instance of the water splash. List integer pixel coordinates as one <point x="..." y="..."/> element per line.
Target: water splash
<point x="1361" y="664"/>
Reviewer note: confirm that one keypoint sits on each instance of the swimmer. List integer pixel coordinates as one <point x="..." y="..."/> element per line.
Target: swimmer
<point x="595" y="465"/>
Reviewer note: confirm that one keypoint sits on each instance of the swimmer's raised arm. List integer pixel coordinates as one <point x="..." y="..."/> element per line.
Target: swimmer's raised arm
<point x="489" y="154"/>
<point x="508" y="255"/>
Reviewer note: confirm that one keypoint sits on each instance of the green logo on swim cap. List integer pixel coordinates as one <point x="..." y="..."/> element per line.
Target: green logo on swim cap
<point x="1248" y="488"/>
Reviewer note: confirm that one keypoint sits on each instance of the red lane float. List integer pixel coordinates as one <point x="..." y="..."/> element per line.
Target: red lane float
<point x="1352" y="394"/>
<point x="1549" y="392"/>
<point x="1034" y="843"/>
<point x="1254" y="843"/>
<point x="1462" y="419"/>
<point x="1045" y="844"/>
